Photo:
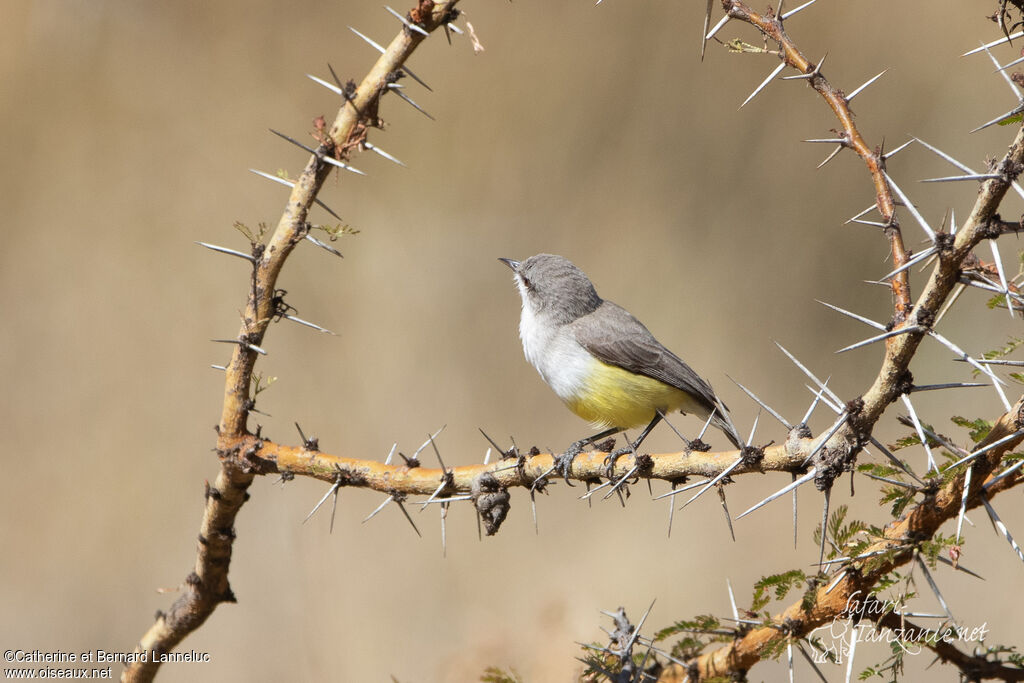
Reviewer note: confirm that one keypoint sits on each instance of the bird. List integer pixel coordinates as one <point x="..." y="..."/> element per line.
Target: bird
<point x="602" y="362"/>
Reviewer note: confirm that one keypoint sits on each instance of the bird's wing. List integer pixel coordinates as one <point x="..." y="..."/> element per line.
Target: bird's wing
<point x="622" y="340"/>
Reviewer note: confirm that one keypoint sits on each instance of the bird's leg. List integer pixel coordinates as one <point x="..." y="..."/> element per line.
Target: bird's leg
<point x="563" y="462"/>
<point x="630" y="447"/>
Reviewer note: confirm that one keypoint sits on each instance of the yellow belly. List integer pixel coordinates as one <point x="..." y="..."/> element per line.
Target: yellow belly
<point x="614" y="397"/>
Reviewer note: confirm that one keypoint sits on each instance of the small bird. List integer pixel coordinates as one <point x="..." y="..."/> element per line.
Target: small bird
<point x="600" y="360"/>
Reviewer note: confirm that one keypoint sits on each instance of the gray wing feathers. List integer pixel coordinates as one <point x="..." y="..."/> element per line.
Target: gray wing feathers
<point x="622" y="340"/>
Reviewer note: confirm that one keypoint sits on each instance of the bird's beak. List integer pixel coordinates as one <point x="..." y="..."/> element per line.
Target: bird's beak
<point x="514" y="265"/>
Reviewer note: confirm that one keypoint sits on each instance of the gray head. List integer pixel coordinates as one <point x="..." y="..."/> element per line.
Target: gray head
<point x="552" y="286"/>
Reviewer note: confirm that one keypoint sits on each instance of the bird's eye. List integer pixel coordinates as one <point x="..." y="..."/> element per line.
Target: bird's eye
<point x="526" y="282"/>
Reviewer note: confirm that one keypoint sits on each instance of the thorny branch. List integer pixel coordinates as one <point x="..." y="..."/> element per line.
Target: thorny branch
<point x="772" y="28"/>
<point x="922" y="521"/>
<point x="207" y="586"/>
<point x="917" y="524"/>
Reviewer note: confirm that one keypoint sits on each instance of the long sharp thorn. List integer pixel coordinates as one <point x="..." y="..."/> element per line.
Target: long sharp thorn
<point x="834" y="141"/>
<point x="963" y="167"/>
<point x="492" y="441"/>
<point x="781" y="492"/>
<point x="959" y="567"/>
<point x="824" y="523"/>
<point x="1002" y="475"/>
<point x="1011" y="64"/>
<point x="411" y="26"/>
<point x="958" y="178"/>
<point x="1002" y="275"/>
<point x="219" y="367"/>
<point x="454" y="28"/>
<point x="986" y="449"/>
<point x="704" y="32"/>
<point x="252" y="347"/>
<point x="963" y="502"/>
<point x="288" y="183"/>
<point x="793" y="11"/>
<point x="948" y="385"/>
<point x="913" y="261"/>
<point x="1001" y="528"/>
<point x="810" y="661"/>
<point x="963" y="356"/>
<point x="437" y="453"/>
<point x="430" y="437"/>
<point x="716" y="28"/>
<point x="859" y="90"/>
<point x="814" y="404"/>
<point x="831" y="394"/>
<point x="911" y="208"/>
<point x="295" y="142"/>
<point x="378" y="150"/>
<point x="437" y="491"/>
<point x="444" y="531"/>
<point x="1013" y="112"/>
<point x="775" y="72"/>
<point x="376" y="46"/>
<point x="835" y="581"/>
<point x="330" y="86"/>
<point x="849" y="655"/>
<point x="1014" y="363"/>
<point x="1006" y="76"/>
<point x="308" y="324"/>
<point x="880" y="337"/>
<point x="225" y="250"/>
<point x="920" y="432"/>
<point x="340" y="164"/>
<point x="681" y="489"/>
<point x="334" y="509"/>
<point x="1005" y="39"/>
<point x="961" y="288"/>
<point x="380" y="49"/>
<point x="894" y="482"/>
<point x="794" y="511"/>
<point x="391" y="454"/>
<point x="334" y="487"/>
<point x="725" y="508"/>
<point x="533" y="509"/>
<point x="707" y="424"/>
<point x="324" y="246"/>
<point x="866" y="321"/>
<point x="861" y="213"/>
<point x="889" y="155"/>
<point x="717" y="479"/>
<point x="673" y="428"/>
<point x="934" y="587"/>
<point x="672" y="511"/>
<point x="754" y="427"/>
<point x="764" y="405"/>
<point x="831" y="156"/>
<point x="874" y="224"/>
<point x="732" y="600"/>
<point x="401" y="506"/>
<point x="408" y="99"/>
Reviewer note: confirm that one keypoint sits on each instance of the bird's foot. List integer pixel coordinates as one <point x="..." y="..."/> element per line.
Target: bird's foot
<point x="612" y="458"/>
<point x="563" y="462"/>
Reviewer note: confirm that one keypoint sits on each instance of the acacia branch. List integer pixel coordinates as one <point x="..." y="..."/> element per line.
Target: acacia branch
<point x="919" y="523"/>
<point x="771" y="27"/>
<point x="261" y="456"/>
<point x="207" y="586"/>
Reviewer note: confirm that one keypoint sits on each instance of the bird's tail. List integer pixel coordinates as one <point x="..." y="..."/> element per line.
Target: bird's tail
<point x="722" y="421"/>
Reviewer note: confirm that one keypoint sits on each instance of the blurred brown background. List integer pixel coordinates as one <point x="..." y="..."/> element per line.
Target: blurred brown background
<point x="594" y="132"/>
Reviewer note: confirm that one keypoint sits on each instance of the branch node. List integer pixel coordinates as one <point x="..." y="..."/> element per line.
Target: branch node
<point x="492" y="501"/>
